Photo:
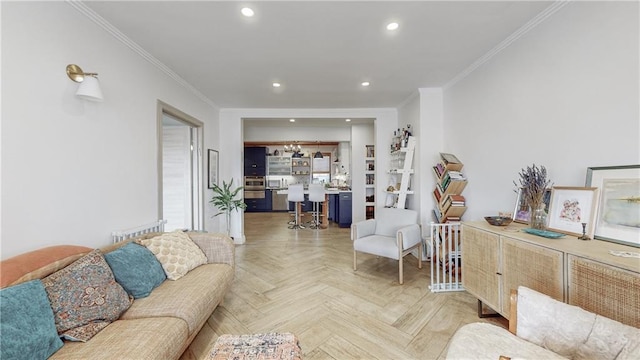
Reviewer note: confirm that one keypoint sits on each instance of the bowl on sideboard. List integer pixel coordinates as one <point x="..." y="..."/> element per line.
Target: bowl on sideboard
<point x="498" y="220"/>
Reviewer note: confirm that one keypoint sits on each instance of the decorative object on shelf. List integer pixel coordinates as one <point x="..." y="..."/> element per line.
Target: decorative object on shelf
<point x="572" y="206"/>
<point x="521" y="212"/>
<point x="498" y="220"/>
<point x="543" y="233"/>
<point x="584" y="232"/>
<point x="538" y="217"/>
<point x="533" y="182"/>
<point x="618" y="215"/>
<point x="224" y="198"/>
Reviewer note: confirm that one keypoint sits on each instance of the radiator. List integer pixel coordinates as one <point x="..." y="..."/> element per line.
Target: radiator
<point x="122" y="235"/>
<point x="446" y="258"/>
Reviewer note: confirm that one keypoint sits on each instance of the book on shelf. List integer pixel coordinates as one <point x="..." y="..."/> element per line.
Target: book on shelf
<point x="437" y="194"/>
<point x="451" y="162"/>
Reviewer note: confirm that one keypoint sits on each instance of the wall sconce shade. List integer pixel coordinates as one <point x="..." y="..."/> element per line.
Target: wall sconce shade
<point x="89" y="88"/>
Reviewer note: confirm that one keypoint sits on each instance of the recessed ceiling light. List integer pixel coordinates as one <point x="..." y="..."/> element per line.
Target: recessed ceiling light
<point x="276" y="84"/>
<point x="365" y="83"/>
<point x="248" y="12"/>
<point x="392" y="26"/>
<point x="292" y="120"/>
<point x="347" y="120"/>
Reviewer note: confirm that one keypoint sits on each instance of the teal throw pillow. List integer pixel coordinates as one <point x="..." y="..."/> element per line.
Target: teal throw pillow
<point x="26" y="323"/>
<point x="136" y="269"/>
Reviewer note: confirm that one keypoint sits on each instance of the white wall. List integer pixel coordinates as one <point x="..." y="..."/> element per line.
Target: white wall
<point x="74" y="171"/>
<point x="294" y="133"/>
<point x="565" y="96"/>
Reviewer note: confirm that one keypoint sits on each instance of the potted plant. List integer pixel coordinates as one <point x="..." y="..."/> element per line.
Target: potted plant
<point x="224" y="198"/>
<point x="534" y="183"/>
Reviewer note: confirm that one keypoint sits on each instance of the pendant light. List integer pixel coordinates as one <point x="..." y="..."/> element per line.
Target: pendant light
<point x="318" y="154"/>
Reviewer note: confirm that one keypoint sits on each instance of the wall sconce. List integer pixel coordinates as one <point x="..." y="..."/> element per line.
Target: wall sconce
<point x="89" y="88"/>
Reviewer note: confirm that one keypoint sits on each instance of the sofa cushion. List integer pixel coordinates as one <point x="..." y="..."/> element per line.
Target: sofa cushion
<point x="136" y="269"/>
<point x="378" y="245"/>
<point x="149" y="338"/>
<point x="392" y="219"/>
<point x="487" y="341"/>
<point x="85" y="297"/>
<point x="192" y="298"/>
<point x="27" y="326"/>
<point x="572" y="331"/>
<point x="39" y="263"/>
<point x="177" y="253"/>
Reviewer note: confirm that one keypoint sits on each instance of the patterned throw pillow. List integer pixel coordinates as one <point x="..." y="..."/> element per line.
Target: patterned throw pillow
<point x="177" y="253"/>
<point x="85" y="297"/>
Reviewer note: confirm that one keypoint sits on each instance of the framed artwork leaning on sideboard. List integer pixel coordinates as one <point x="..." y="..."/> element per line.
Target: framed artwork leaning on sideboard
<point x="618" y="209"/>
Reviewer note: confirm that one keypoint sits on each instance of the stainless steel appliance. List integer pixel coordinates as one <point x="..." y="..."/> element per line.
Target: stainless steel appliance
<point x="254" y="187"/>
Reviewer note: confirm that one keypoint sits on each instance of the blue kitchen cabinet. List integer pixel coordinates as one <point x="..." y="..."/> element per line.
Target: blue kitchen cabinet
<point x="344" y="209"/>
<point x="255" y="161"/>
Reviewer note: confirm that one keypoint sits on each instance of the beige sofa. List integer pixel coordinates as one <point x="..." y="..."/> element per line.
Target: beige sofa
<point x="160" y="326"/>
<point x="544" y="328"/>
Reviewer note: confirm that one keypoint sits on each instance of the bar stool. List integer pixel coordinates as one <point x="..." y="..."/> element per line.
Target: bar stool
<point x="295" y="194"/>
<point x="317" y="196"/>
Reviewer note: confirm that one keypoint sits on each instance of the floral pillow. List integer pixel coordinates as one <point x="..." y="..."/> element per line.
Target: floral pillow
<point x="177" y="253"/>
<point x="85" y="297"/>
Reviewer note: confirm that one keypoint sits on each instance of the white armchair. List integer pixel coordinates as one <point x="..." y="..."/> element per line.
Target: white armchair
<point x="393" y="234"/>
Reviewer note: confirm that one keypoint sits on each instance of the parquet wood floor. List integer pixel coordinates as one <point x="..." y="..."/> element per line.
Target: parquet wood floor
<point x="302" y="281"/>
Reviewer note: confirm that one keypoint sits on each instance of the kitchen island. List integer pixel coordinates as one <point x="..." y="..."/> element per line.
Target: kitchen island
<point x="339" y="205"/>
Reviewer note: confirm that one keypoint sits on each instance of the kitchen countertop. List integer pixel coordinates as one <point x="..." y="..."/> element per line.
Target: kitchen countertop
<point x="306" y="191"/>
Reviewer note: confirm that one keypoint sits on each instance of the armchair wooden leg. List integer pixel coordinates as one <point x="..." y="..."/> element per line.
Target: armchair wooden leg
<point x="354" y="260"/>
<point x="420" y="256"/>
<point x="401" y="279"/>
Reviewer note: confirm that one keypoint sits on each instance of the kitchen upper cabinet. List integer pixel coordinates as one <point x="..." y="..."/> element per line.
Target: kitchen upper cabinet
<point x="255" y="161"/>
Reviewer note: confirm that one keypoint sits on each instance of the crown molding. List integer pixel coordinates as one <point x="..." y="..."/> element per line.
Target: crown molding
<point x="531" y="24"/>
<point x="113" y="31"/>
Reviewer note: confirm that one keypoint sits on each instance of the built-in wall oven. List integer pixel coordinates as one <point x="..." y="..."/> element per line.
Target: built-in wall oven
<point x="254" y="187"/>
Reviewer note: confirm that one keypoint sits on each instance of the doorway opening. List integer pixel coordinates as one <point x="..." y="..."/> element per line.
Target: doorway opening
<point x="180" y="194"/>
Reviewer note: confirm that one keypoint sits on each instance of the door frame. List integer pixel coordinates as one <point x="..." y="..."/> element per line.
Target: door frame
<point x="197" y="186"/>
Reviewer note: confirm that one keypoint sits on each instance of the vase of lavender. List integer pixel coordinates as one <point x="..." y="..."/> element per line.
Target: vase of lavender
<point x="534" y="183"/>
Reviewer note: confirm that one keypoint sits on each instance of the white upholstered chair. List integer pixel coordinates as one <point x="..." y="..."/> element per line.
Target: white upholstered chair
<point x="393" y="234"/>
<point x="317" y="197"/>
<point x="295" y="194"/>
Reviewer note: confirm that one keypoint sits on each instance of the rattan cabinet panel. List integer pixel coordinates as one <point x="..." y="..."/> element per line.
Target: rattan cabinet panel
<point x="480" y="266"/>
<point x="533" y="266"/>
<point x="582" y="273"/>
<point x="605" y="290"/>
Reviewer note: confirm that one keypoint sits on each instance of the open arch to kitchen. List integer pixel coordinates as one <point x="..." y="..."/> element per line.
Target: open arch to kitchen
<point x="232" y="140"/>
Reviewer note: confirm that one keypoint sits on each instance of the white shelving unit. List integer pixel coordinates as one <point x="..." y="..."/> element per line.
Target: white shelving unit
<point x="370" y="182"/>
<point x="400" y="174"/>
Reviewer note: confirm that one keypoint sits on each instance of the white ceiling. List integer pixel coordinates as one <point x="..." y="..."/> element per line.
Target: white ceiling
<point x="319" y="50"/>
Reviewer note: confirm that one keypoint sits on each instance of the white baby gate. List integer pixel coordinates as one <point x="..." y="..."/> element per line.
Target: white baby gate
<point x="157" y="226"/>
<point x="445" y="258"/>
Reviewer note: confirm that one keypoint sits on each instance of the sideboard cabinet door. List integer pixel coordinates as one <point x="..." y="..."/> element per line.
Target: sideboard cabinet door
<point x="604" y="289"/>
<point x="533" y="266"/>
<point x="480" y="266"/>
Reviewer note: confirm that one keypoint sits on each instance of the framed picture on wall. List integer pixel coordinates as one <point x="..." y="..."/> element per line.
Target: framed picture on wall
<point x="521" y="211"/>
<point x="571" y="207"/>
<point x="212" y="168"/>
<point x="618" y="213"/>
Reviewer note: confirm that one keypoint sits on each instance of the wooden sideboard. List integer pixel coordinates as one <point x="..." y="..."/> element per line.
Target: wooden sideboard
<point x="496" y="259"/>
